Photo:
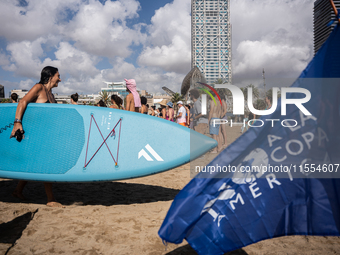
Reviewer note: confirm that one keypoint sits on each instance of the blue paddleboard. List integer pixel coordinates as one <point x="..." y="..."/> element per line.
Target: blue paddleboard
<point x="75" y="143"/>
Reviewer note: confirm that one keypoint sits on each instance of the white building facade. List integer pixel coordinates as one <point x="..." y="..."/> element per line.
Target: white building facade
<point x="211" y="39"/>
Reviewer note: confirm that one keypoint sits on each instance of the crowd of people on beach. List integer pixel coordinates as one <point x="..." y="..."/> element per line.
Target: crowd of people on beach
<point x="187" y="115"/>
<point x="136" y="103"/>
<point x="42" y="93"/>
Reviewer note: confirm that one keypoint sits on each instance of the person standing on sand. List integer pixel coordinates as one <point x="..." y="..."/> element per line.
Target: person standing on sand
<point x="182" y="114"/>
<point x="225" y="117"/>
<point x="171" y="112"/>
<point x="132" y="99"/>
<point x="187" y="108"/>
<point x="200" y="121"/>
<point x="214" y="129"/>
<point x="40" y="93"/>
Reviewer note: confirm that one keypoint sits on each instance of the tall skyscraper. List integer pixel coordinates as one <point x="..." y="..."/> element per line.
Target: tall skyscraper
<point x="211" y="39"/>
<point x="323" y="14"/>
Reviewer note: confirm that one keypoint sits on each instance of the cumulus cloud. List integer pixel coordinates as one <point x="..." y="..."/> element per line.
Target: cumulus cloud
<point x="4" y="59"/>
<point x="170" y="36"/>
<point x="72" y="35"/>
<point x="25" y="57"/>
<point x="77" y="36"/>
<point x="151" y="79"/>
<point x="272" y="34"/>
<point x="101" y="29"/>
<point x="175" y="56"/>
<point x="33" y="19"/>
<point x="75" y="62"/>
<point x="26" y="84"/>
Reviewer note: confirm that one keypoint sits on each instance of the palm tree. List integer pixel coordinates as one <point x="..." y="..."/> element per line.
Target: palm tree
<point x="219" y="81"/>
<point x="245" y="93"/>
<point x="259" y="104"/>
<point x="270" y="93"/>
<point x="175" y="98"/>
<point x="222" y="91"/>
<point x="105" y="97"/>
<point x="255" y="92"/>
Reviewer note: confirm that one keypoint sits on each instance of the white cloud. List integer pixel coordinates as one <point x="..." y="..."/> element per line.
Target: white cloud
<point x="26" y="84"/>
<point x="101" y="29"/>
<point x="272" y="34"/>
<point x="173" y="57"/>
<point x="34" y="20"/>
<point x="169" y="21"/>
<point x="41" y="34"/>
<point x="151" y="79"/>
<point x="75" y="35"/>
<point x="119" y="71"/>
<point x="25" y="57"/>
<point x="75" y="62"/>
<point x="4" y="59"/>
<point x="170" y="37"/>
<point x="276" y="58"/>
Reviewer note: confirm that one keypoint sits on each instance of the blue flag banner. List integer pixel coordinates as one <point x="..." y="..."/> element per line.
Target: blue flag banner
<point x="280" y="178"/>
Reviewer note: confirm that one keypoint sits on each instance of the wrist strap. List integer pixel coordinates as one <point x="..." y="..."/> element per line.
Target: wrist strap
<point x="17" y="121"/>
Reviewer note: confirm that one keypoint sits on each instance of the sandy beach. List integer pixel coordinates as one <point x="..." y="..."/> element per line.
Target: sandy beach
<point x="116" y="218"/>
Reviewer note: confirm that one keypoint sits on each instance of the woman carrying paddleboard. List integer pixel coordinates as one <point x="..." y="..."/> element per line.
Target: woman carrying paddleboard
<point x="40" y="93"/>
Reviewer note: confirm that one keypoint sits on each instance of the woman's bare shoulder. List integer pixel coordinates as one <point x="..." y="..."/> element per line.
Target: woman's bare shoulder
<point x="37" y="87"/>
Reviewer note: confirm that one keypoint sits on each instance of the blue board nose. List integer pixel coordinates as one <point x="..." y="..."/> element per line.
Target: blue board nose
<point x="200" y="144"/>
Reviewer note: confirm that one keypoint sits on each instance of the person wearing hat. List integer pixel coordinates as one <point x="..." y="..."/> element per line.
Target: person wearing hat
<point x="162" y="111"/>
<point x="181" y="116"/>
<point x="170" y="112"/>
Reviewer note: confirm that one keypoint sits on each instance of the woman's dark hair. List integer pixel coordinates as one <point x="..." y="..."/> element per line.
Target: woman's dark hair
<point x="47" y="73"/>
<point x="75" y="97"/>
<point x="117" y="99"/>
<point x="153" y="107"/>
<point x="143" y="100"/>
<point x="101" y="103"/>
<point x="187" y="105"/>
<point x="14" y="96"/>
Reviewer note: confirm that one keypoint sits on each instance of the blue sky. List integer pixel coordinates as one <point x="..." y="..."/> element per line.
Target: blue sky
<point x="93" y="41"/>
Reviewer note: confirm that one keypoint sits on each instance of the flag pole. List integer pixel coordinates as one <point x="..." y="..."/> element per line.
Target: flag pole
<point x="335" y="9"/>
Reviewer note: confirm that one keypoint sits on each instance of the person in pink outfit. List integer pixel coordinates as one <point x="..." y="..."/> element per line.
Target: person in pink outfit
<point x="133" y="102"/>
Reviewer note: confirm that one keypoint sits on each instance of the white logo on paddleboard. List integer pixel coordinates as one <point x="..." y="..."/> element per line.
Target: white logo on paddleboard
<point x="144" y="154"/>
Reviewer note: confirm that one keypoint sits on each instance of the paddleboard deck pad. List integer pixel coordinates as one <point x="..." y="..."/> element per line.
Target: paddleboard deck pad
<point x="75" y="143"/>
